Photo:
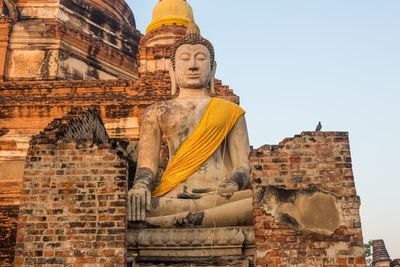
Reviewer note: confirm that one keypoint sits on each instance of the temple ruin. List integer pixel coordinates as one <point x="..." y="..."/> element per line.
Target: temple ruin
<point x="76" y="78"/>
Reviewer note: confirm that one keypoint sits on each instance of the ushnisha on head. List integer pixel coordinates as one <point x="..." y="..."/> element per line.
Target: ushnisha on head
<point x="192" y="39"/>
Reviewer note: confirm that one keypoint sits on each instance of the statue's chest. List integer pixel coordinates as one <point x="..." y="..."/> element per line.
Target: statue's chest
<point x="178" y="122"/>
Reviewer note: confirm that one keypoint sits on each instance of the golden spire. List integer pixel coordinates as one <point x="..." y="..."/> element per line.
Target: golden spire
<point x="171" y="12"/>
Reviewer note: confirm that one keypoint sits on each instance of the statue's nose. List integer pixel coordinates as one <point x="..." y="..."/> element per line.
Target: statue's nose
<point x="194" y="68"/>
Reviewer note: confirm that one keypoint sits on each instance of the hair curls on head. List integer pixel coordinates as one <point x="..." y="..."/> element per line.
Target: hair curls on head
<point x="192" y="37"/>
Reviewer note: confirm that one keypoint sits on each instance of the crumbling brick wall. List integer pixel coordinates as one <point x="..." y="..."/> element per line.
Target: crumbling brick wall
<point x="73" y="208"/>
<point x="9" y="203"/>
<point x="310" y="164"/>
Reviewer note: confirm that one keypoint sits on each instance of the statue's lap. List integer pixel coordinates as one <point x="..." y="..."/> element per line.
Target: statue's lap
<point x="210" y="210"/>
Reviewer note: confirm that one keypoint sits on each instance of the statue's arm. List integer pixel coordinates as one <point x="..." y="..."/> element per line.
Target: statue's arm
<point x="238" y="145"/>
<point x="149" y="146"/>
<point x="139" y="197"/>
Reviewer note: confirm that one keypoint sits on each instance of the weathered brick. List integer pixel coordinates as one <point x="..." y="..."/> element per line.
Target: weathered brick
<point x="316" y="164"/>
<point x="64" y="228"/>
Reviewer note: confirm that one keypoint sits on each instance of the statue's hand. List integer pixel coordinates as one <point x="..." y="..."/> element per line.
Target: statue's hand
<point x="228" y="188"/>
<point x="222" y="189"/>
<point x="139" y="201"/>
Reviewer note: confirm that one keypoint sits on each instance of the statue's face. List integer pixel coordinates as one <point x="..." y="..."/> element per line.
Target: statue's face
<point x="192" y="66"/>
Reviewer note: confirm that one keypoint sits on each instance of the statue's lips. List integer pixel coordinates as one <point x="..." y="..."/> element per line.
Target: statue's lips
<point x="193" y="76"/>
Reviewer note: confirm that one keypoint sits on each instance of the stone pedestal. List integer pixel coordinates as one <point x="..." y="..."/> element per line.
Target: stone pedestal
<point x="227" y="246"/>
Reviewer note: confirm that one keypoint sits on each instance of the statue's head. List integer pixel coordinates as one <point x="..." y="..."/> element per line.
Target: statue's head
<point x="192" y="61"/>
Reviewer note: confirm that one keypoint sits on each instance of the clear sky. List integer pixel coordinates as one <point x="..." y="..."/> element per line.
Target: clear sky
<point x="294" y="63"/>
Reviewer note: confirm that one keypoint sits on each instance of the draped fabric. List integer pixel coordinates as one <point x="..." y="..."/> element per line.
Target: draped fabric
<point x="216" y="123"/>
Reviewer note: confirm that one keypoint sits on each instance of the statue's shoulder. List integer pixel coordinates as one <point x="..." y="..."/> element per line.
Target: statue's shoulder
<point x="158" y="108"/>
<point x="218" y="100"/>
<point x="225" y="103"/>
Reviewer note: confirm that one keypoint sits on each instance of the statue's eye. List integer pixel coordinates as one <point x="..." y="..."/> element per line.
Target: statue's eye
<point x="184" y="56"/>
<point x="201" y="57"/>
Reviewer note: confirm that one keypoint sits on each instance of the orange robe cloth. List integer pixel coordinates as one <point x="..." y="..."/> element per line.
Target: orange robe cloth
<point x="217" y="122"/>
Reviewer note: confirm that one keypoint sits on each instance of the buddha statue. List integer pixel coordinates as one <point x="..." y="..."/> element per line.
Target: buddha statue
<point x="207" y="175"/>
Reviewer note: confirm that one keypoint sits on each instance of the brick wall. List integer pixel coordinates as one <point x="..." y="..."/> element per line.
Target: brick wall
<point x="9" y="203"/>
<point x="73" y="208"/>
<point x="310" y="163"/>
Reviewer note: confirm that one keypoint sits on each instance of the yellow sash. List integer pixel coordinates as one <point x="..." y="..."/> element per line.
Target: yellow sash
<point x="217" y="121"/>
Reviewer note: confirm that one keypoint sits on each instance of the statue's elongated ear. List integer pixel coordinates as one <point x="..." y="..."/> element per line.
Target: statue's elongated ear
<point x="173" y="79"/>
<point x="212" y="84"/>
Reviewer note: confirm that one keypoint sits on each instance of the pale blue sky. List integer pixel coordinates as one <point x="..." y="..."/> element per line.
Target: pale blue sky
<point x="294" y="63"/>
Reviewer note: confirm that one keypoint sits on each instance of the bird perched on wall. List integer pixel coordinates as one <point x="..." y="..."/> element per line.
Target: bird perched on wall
<point x="319" y="127"/>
